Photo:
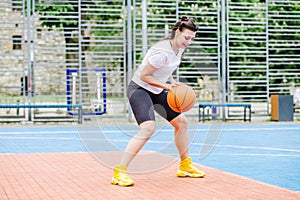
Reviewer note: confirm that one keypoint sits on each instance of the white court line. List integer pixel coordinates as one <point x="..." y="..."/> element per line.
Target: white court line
<point x="263" y="129"/>
<point x="198" y="144"/>
<point x="218" y="145"/>
<point x="151" y="141"/>
<point x="158" y="142"/>
<point x="37" y="138"/>
<point x="252" y="154"/>
<point x="208" y="129"/>
<point x="82" y="132"/>
<point x="34" y="133"/>
<point x="251" y="147"/>
<point x="157" y="130"/>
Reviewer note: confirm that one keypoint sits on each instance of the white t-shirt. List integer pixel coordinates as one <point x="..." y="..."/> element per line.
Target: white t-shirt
<point x="162" y="57"/>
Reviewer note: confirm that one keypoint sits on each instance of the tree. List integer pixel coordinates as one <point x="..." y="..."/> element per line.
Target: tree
<point x="64" y="16"/>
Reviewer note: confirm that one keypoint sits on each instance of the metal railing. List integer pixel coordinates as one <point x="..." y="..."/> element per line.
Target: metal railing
<point x="247" y="61"/>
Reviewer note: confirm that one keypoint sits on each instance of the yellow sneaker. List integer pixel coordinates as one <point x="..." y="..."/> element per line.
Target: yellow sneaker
<point x="187" y="169"/>
<point x="121" y="177"/>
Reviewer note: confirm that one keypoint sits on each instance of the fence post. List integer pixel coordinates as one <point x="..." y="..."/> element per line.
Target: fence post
<point x="224" y="57"/>
<point x="129" y="47"/>
<point x="29" y="56"/>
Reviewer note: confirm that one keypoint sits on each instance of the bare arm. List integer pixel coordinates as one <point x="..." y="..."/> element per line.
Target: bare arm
<point x="172" y="81"/>
<point x="147" y="76"/>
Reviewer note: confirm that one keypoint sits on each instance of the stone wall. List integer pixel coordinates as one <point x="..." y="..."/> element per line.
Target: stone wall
<point x="11" y="62"/>
<point x="47" y="59"/>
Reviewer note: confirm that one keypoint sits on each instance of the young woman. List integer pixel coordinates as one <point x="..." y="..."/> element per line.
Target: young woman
<point x="148" y="89"/>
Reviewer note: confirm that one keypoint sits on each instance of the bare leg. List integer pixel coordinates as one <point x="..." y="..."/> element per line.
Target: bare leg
<point x="137" y="142"/>
<point x="182" y="143"/>
<point x="181" y="136"/>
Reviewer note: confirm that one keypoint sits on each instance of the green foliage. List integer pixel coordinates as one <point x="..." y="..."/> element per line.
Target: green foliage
<point x="110" y="22"/>
<point x="283" y="17"/>
<point x="58" y="14"/>
<point x="291" y="14"/>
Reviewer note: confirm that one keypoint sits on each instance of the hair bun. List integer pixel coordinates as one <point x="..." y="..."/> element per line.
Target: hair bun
<point x="184" y="18"/>
<point x="182" y="23"/>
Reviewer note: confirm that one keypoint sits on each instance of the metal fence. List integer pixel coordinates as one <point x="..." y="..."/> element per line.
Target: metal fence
<point x="238" y="54"/>
<point x="263" y="54"/>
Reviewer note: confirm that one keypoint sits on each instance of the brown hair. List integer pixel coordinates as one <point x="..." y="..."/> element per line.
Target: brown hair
<point x="184" y="23"/>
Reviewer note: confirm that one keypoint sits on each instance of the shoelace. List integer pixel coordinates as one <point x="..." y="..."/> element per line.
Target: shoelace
<point x="192" y="167"/>
<point x="124" y="176"/>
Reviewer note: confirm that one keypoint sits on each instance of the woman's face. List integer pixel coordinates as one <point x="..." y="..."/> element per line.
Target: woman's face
<point x="185" y="38"/>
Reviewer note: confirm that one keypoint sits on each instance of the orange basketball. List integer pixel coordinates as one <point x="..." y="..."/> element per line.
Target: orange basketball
<point x="181" y="98"/>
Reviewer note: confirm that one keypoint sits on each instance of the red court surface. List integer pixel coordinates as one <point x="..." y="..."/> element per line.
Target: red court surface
<point x="81" y="176"/>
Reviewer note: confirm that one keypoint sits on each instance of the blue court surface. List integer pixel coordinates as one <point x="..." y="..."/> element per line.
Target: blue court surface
<point x="268" y="152"/>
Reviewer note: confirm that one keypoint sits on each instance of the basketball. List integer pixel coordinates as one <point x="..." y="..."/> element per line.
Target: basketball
<point x="181" y="98"/>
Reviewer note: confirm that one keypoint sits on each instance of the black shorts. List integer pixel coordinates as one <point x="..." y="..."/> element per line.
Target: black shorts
<point x="143" y="104"/>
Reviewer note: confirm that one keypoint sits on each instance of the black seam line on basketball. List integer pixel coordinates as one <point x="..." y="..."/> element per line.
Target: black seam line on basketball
<point x="175" y="100"/>
<point x="183" y="99"/>
<point x="188" y="105"/>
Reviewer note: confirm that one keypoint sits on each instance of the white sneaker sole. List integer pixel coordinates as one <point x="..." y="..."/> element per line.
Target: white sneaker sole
<point x="187" y="174"/>
<point x="120" y="183"/>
